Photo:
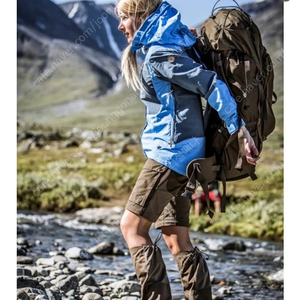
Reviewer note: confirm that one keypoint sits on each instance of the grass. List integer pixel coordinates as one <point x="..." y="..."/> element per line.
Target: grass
<point x="67" y="179"/>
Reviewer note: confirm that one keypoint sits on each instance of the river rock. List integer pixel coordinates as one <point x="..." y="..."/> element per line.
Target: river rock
<point x="70" y="283"/>
<point x="78" y="253"/>
<point x="70" y="143"/>
<point x="57" y="252"/>
<point x="22" y="241"/>
<point x="220" y="293"/>
<point x="278" y="276"/>
<point x="130" y="276"/>
<point x="53" y="294"/>
<point x="56" y="273"/>
<point x="86" y="270"/>
<point x="71" y="294"/>
<point x="102" y="215"/>
<point x="236" y="246"/>
<point x="21" y="251"/>
<point x="34" y="293"/>
<point x="84" y="289"/>
<point x="61" y="265"/>
<point x="23" y="271"/>
<point x="102" y="248"/>
<point x="22" y="295"/>
<point x="111" y="273"/>
<point x="125" y="286"/>
<point x="88" y="280"/>
<point x="25" y="260"/>
<point x="46" y="284"/>
<point x="57" y="278"/>
<point x="26" y="281"/>
<point x="45" y="261"/>
<point x="59" y="257"/>
<point x="92" y="296"/>
<point x="108" y="281"/>
<point x="80" y="275"/>
<point x="117" y="251"/>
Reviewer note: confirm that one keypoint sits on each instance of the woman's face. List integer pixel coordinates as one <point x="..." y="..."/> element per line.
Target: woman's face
<point x="126" y="26"/>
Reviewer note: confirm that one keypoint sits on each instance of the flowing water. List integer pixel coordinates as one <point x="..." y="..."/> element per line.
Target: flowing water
<point x="241" y="273"/>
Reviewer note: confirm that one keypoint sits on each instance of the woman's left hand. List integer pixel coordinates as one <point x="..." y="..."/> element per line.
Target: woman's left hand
<point x="252" y="154"/>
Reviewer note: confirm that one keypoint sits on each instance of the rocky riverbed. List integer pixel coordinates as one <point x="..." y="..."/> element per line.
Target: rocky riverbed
<point x="83" y="256"/>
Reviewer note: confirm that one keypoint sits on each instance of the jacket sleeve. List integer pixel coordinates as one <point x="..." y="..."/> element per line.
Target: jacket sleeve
<point x="178" y="68"/>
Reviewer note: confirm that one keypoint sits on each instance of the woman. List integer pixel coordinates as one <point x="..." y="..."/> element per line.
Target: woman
<point x="170" y="83"/>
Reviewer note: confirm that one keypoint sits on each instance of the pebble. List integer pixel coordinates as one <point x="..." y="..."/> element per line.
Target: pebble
<point x="78" y="253"/>
<point x="58" y="278"/>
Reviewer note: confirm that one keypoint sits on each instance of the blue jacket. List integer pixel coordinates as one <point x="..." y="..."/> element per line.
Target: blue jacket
<point x="172" y="83"/>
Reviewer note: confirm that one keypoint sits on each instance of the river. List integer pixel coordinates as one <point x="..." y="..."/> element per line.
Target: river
<point x="240" y="274"/>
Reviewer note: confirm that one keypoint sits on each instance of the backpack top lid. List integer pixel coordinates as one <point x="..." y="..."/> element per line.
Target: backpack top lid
<point x="233" y="29"/>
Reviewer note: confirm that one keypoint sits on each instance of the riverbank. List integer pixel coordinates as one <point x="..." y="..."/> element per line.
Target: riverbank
<point x="65" y="170"/>
<point x="83" y="256"/>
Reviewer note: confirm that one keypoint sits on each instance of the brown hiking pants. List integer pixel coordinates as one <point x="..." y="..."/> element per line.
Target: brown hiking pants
<point x="151" y="273"/>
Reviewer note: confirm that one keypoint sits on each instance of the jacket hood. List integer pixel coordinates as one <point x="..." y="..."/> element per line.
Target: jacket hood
<point x="163" y="27"/>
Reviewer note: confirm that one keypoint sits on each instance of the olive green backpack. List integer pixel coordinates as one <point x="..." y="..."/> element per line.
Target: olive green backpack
<point x="230" y="44"/>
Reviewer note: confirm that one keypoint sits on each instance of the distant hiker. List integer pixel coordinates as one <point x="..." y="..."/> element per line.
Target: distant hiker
<point x="170" y="83"/>
<point x="214" y="195"/>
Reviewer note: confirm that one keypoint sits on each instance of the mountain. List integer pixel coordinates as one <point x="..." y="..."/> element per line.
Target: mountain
<point x="49" y="19"/>
<point x="59" y="66"/>
<point x="100" y="23"/>
<point x="268" y="15"/>
<point x="68" y="64"/>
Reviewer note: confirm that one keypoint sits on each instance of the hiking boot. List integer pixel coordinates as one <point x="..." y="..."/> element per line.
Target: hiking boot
<point x="151" y="272"/>
<point x="194" y="274"/>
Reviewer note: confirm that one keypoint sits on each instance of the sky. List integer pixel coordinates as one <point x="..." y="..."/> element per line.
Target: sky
<point x="192" y="12"/>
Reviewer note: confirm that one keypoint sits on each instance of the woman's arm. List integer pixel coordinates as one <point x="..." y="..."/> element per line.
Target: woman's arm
<point x="178" y="68"/>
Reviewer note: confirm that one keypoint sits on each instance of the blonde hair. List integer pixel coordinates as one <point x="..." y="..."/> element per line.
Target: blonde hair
<point x="138" y="10"/>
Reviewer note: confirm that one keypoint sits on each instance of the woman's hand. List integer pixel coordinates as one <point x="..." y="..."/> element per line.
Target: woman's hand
<point x="193" y="31"/>
<point x="250" y="148"/>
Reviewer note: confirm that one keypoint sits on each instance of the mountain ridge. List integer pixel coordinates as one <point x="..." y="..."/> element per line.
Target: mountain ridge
<point x="57" y="62"/>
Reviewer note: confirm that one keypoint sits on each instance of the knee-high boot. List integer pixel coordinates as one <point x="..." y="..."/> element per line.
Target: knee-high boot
<point x="194" y="274"/>
<point x="151" y="272"/>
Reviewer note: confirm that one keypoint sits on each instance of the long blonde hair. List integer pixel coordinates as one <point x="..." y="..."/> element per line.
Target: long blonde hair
<point x="138" y="10"/>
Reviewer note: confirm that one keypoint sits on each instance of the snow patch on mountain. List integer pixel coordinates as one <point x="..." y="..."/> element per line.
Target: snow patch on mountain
<point x="112" y="42"/>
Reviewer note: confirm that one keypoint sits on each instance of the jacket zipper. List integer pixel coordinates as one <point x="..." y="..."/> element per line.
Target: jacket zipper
<point x="173" y="120"/>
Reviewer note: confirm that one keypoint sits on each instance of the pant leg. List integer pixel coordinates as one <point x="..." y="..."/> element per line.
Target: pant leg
<point x="175" y="213"/>
<point x="194" y="274"/>
<point x="151" y="272"/>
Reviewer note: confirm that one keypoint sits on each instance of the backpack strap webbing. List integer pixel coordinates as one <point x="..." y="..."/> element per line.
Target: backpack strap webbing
<point x="218" y="65"/>
<point x="201" y="179"/>
<point x="197" y="176"/>
<point x="223" y="199"/>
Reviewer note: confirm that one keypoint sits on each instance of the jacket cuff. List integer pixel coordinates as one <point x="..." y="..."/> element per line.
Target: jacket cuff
<point x="234" y="125"/>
